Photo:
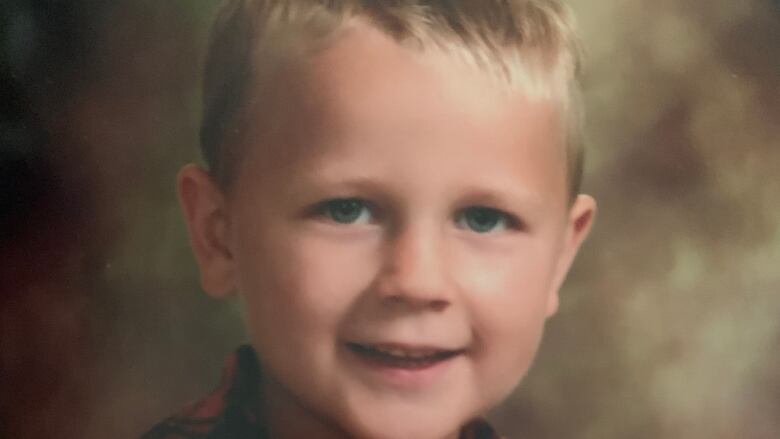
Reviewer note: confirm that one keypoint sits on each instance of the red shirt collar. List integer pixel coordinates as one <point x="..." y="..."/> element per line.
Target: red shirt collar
<point x="230" y="411"/>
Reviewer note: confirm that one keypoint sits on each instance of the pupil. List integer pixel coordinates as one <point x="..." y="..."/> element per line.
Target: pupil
<point x="482" y="219"/>
<point x="346" y="211"/>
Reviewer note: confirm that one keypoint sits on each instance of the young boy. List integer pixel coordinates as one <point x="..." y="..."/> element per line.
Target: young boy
<point x="392" y="193"/>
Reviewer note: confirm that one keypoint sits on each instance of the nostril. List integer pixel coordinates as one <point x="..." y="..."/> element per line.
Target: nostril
<point x="418" y="301"/>
<point x="439" y="305"/>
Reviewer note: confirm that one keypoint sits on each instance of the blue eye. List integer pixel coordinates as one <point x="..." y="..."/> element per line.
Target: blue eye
<point x="346" y="211"/>
<point x="483" y="220"/>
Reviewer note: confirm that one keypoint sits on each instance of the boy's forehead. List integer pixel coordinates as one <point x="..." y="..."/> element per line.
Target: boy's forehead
<point x="365" y="88"/>
<point x="370" y="62"/>
<point x="364" y="75"/>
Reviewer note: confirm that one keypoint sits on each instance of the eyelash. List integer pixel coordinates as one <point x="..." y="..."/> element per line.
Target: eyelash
<point x="326" y="209"/>
<point x="507" y="221"/>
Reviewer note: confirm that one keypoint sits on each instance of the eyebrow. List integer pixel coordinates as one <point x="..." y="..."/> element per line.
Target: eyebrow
<point x="331" y="179"/>
<point x="495" y="196"/>
<point x="489" y="193"/>
<point x="316" y="183"/>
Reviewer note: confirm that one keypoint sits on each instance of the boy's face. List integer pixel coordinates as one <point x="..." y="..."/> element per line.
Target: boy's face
<point x="398" y="231"/>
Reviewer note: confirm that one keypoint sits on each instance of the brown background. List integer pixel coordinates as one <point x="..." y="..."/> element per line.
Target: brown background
<point x="669" y="322"/>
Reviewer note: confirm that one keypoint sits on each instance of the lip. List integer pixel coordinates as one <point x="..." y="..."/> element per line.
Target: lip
<point x="403" y="365"/>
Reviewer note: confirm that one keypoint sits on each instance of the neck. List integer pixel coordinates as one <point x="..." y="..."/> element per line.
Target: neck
<point x="286" y="417"/>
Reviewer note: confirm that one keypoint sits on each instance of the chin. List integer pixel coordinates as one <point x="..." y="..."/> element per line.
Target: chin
<point x="390" y="424"/>
<point x="404" y="430"/>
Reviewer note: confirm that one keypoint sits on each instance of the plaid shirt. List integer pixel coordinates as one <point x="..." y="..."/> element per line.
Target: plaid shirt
<point x="230" y="412"/>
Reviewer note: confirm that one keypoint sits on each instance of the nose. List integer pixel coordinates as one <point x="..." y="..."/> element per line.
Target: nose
<point x="415" y="270"/>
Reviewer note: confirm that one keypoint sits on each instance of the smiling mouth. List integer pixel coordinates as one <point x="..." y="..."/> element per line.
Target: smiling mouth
<point x="402" y="357"/>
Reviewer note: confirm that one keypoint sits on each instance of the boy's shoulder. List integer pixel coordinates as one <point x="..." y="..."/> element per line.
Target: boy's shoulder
<point x="230" y="411"/>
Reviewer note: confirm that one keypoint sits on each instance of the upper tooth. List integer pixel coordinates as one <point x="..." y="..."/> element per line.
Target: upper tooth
<point x="399" y="352"/>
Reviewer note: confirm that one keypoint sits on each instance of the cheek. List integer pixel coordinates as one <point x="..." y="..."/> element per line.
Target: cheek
<point x="299" y="284"/>
<point x="512" y="281"/>
<point x="507" y="295"/>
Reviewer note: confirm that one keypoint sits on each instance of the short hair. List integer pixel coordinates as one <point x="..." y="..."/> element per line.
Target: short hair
<point x="530" y="44"/>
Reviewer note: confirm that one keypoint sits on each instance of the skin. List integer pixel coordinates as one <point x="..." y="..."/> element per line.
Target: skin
<point x="420" y="140"/>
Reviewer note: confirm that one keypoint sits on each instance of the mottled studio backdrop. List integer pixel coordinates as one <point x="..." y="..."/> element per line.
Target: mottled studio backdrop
<point x="670" y="322"/>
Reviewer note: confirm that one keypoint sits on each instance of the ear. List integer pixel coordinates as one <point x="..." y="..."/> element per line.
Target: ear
<point x="578" y="226"/>
<point x="205" y="212"/>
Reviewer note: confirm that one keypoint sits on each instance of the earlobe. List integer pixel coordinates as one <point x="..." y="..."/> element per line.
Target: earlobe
<point x="204" y="209"/>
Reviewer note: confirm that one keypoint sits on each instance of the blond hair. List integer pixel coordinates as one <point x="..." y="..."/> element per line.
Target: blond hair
<point x="528" y="44"/>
